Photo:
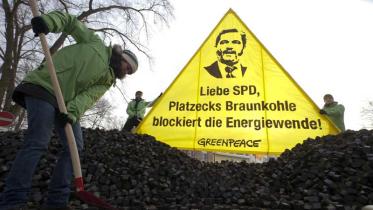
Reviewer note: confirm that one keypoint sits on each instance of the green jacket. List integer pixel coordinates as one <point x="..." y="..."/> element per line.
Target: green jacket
<point x="82" y="69"/>
<point x="335" y="112"/>
<point x="137" y="111"/>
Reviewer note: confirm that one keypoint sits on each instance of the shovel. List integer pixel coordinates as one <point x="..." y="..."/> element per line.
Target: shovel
<point x="84" y="196"/>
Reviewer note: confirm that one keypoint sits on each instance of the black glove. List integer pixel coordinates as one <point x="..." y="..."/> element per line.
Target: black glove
<point x="39" y="26"/>
<point x="322" y="111"/>
<point x="62" y="119"/>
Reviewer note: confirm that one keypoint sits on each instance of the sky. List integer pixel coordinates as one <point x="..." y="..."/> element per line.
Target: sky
<point x="325" y="45"/>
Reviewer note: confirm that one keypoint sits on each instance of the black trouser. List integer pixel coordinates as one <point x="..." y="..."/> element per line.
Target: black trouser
<point x="131" y="122"/>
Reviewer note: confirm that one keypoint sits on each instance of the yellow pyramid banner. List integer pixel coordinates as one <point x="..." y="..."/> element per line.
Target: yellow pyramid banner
<point x="233" y="96"/>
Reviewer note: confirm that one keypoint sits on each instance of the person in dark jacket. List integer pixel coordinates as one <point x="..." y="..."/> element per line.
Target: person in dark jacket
<point x="85" y="71"/>
<point x="136" y="111"/>
<point x="334" y="111"/>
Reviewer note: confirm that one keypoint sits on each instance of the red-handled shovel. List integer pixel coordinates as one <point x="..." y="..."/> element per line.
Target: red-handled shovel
<point x="86" y="197"/>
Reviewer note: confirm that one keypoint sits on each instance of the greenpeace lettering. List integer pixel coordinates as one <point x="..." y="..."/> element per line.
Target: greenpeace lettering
<point x="238" y="143"/>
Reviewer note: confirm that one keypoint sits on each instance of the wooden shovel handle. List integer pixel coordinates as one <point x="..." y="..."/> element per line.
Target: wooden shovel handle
<point x="61" y="104"/>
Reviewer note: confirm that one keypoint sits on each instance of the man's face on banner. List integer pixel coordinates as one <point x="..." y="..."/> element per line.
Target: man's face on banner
<point x="229" y="47"/>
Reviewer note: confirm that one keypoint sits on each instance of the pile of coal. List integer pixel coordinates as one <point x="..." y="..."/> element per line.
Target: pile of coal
<point x="332" y="172"/>
<point x="132" y="171"/>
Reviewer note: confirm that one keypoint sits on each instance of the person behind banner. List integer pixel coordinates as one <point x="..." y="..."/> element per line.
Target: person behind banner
<point x="334" y="111"/>
<point x="85" y="71"/>
<point x="136" y="111"/>
<point x="230" y="45"/>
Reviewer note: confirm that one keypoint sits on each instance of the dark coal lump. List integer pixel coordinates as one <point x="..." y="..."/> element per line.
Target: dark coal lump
<point x="133" y="171"/>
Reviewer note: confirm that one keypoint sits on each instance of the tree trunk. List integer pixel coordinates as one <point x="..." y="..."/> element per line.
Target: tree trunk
<point x="8" y="56"/>
<point x="13" y="69"/>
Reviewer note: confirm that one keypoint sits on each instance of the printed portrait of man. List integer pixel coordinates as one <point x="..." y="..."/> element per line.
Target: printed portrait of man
<point x="230" y="45"/>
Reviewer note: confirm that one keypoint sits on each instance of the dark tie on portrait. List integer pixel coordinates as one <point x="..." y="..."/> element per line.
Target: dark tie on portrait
<point x="229" y="70"/>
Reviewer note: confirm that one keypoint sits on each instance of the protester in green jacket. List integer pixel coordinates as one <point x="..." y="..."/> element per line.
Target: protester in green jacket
<point x="334" y="111"/>
<point x="136" y="111"/>
<point x="85" y="71"/>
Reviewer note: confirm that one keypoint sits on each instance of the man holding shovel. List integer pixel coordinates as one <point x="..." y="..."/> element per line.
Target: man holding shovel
<point x="85" y="71"/>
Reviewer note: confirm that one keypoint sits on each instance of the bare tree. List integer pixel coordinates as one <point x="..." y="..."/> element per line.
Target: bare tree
<point x="94" y="116"/>
<point x="114" y="20"/>
<point x="367" y="115"/>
